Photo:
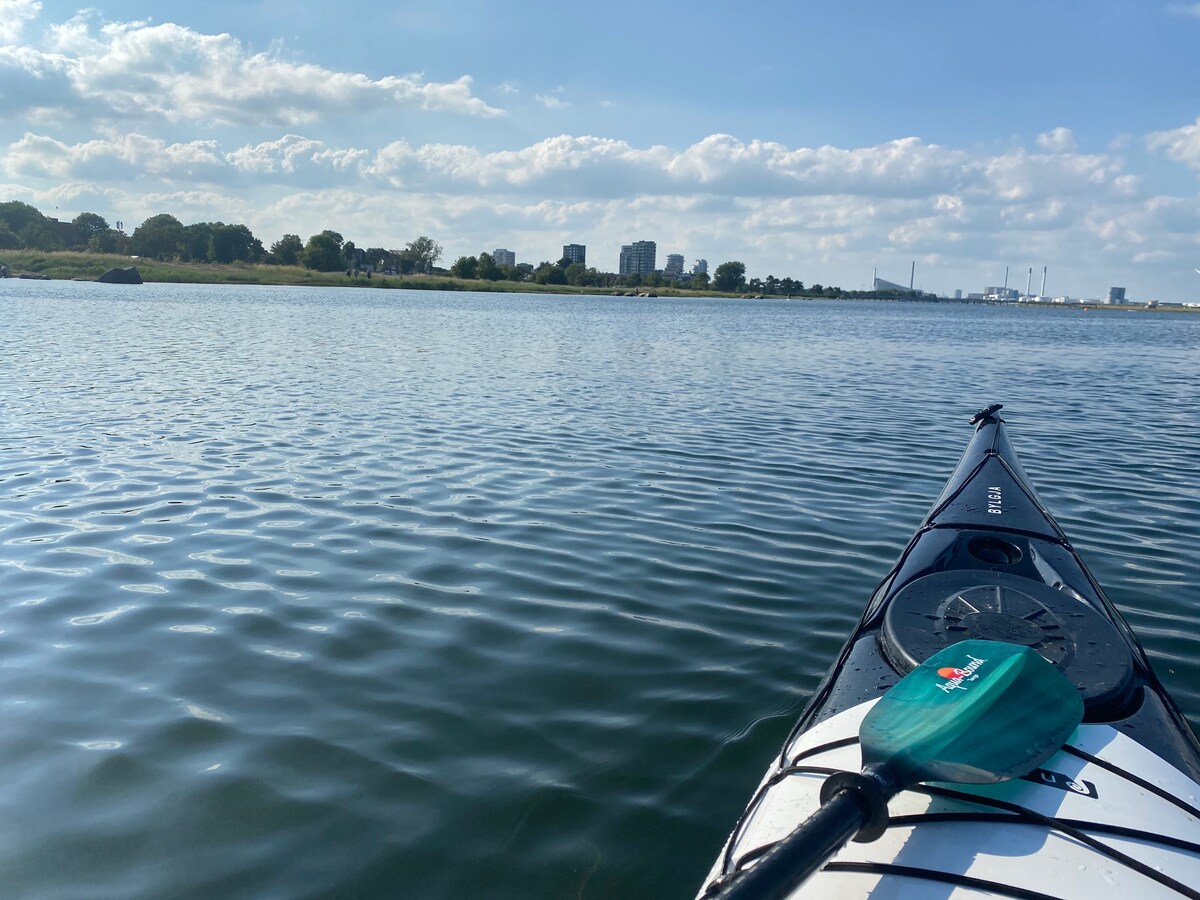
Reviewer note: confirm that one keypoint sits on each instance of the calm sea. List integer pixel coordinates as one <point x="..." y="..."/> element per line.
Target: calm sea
<point x="357" y="594"/>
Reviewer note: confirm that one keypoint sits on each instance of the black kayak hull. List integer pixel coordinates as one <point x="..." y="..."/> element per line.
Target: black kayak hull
<point x="988" y="529"/>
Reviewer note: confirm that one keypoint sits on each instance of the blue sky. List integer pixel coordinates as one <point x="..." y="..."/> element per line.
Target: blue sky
<point x="810" y="140"/>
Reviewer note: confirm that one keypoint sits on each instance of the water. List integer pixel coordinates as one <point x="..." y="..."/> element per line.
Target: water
<point x="325" y="593"/>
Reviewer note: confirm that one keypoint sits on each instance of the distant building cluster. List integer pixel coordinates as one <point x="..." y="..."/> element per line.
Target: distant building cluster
<point x="637" y="258"/>
<point x="1005" y="294"/>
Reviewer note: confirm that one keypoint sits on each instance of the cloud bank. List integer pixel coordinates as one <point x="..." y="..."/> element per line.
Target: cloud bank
<point x="787" y="209"/>
<point x="135" y="70"/>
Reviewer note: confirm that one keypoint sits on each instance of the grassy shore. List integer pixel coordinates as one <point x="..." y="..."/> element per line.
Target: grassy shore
<point x="68" y="265"/>
<point x="89" y="266"/>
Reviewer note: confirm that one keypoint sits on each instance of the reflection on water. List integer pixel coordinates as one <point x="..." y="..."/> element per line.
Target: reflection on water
<point x="373" y="594"/>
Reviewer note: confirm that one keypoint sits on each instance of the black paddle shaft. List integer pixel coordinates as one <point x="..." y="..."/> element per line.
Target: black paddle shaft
<point x="802" y="852"/>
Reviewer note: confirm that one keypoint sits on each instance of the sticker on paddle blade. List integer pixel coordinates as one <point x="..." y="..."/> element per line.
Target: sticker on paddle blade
<point x="976" y="712"/>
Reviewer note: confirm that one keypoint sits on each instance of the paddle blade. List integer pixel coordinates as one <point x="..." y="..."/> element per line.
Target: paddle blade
<point x="975" y="713"/>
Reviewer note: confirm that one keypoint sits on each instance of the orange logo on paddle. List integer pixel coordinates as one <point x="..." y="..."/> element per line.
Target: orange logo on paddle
<point x="949" y="672"/>
<point x="955" y="676"/>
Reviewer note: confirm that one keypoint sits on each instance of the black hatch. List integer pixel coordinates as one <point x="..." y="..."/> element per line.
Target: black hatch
<point x="941" y="609"/>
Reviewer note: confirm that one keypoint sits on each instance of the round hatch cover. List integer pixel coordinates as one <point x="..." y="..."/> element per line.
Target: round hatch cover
<point x="944" y="608"/>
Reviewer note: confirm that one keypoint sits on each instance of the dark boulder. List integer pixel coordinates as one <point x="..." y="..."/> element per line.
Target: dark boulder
<point x="128" y="275"/>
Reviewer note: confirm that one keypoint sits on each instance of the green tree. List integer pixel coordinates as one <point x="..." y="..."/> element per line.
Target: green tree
<point x="110" y="241"/>
<point x="377" y="257"/>
<point x="488" y="270"/>
<point x="578" y="274"/>
<point x="700" y="281"/>
<point x="8" y="240"/>
<point x="158" y="237"/>
<point x="465" y="267"/>
<point x="407" y="262"/>
<point x="40" y="234"/>
<point x="426" y="251"/>
<point x="323" y="252"/>
<point x="287" y="250"/>
<point x="350" y="255"/>
<point x="549" y="273"/>
<point x="88" y="225"/>
<point x="196" y="241"/>
<point x="233" y="243"/>
<point x="17" y="215"/>
<point x="730" y="276"/>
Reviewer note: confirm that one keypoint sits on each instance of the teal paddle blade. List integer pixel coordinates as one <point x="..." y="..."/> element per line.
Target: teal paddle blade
<point x="976" y="712"/>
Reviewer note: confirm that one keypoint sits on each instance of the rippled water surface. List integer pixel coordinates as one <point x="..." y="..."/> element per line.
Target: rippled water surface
<point x="332" y="593"/>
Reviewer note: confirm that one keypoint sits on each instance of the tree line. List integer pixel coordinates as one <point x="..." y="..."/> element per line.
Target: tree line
<point x="164" y="237"/>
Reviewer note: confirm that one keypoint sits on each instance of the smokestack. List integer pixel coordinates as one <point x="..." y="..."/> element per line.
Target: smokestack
<point x="1029" y="282"/>
<point x="874" y="279"/>
<point x="1006" y="278"/>
<point x="1043" y="293"/>
<point x="912" y="275"/>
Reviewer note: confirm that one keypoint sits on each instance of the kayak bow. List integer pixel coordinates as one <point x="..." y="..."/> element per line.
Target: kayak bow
<point x="1113" y="812"/>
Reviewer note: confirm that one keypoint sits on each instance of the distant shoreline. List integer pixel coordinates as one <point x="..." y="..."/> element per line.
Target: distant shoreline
<point x="66" y="265"/>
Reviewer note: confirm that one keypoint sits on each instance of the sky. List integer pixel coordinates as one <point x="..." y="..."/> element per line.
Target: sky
<point x="817" y="141"/>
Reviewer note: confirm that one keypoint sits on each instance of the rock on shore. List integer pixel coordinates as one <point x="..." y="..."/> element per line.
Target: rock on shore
<point x="127" y="275"/>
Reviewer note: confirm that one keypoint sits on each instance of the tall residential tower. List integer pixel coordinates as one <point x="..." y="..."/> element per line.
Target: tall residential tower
<point x="637" y="258"/>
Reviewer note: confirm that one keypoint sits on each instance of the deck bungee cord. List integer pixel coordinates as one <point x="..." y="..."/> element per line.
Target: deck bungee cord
<point x="1014" y="815"/>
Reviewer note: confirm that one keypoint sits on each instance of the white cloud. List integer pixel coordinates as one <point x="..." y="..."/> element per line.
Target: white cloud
<point x="143" y="71"/>
<point x="291" y="154"/>
<point x="1185" y="9"/>
<point x="1180" y="144"/>
<point x="587" y="166"/>
<point x="1059" y="140"/>
<point x="904" y="167"/>
<point x="14" y="16"/>
<point x="551" y="102"/>
<point x="1019" y="175"/>
<point x="123" y="157"/>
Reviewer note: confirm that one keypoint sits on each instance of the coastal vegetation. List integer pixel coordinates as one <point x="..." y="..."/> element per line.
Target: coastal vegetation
<point x="165" y="250"/>
<point x="87" y="266"/>
<point x="223" y="252"/>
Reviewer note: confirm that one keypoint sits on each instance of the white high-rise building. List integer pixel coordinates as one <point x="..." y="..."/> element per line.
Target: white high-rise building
<point x="504" y="257"/>
<point x="674" y="267"/>
<point x="701" y="267"/>
<point x="637" y="258"/>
